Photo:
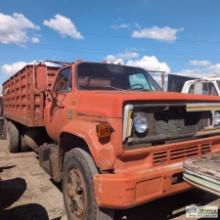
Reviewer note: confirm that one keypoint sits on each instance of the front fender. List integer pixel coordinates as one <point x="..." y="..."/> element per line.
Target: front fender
<point x="103" y="154"/>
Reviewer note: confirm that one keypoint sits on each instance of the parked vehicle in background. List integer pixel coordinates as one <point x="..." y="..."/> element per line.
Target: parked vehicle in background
<point x="108" y="131"/>
<point x="202" y="86"/>
<point x="206" y="86"/>
<point x="176" y="82"/>
<point x="204" y="172"/>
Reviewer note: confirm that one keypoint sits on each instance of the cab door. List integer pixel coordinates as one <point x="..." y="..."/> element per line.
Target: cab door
<point x="58" y="106"/>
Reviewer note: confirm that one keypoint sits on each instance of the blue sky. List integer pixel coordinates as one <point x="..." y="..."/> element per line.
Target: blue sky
<point x="180" y="36"/>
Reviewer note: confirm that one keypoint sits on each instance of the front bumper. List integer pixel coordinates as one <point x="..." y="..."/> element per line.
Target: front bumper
<point x="129" y="189"/>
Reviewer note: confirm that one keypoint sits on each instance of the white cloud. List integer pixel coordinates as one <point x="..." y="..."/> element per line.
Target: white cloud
<point x="10" y="69"/>
<point x="120" y="26"/>
<point x="149" y="63"/>
<point x="14" y="28"/>
<point x="64" y="26"/>
<point x="199" y="62"/>
<point x="201" y="69"/>
<point x="113" y="59"/>
<point x="167" y="34"/>
<point x="121" y="57"/>
<point x="132" y="59"/>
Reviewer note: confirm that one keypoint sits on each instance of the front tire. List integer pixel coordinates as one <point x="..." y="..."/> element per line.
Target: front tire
<point x="78" y="188"/>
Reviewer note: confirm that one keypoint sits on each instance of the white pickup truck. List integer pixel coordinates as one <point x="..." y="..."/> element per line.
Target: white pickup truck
<point x="185" y="84"/>
<point x="205" y="86"/>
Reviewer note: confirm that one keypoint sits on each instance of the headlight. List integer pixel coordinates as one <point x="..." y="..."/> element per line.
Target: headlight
<point x="216" y="119"/>
<point x="140" y="124"/>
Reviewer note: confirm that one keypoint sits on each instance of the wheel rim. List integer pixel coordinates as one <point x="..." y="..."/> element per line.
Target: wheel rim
<point x="76" y="194"/>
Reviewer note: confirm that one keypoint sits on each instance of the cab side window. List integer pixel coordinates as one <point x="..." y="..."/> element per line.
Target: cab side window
<point x="192" y="89"/>
<point x="209" y="89"/>
<point x="64" y="81"/>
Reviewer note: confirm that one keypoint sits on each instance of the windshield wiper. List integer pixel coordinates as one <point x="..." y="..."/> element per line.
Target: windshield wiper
<point x="139" y="89"/>
<point x="112" y="87"/>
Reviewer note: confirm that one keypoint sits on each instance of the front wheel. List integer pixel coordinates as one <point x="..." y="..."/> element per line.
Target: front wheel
<point x="78" y="188"/>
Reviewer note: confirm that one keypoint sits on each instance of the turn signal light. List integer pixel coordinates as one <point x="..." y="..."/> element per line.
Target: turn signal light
<point x="103" y="130"/>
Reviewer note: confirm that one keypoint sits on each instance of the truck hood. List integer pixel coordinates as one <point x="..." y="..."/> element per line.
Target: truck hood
<point x="109" y="103"/>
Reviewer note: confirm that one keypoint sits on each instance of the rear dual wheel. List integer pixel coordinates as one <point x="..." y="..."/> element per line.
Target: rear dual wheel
<point x="15" y="140"/>
<point x="78" y="188"/>
<point x="12" y="134"/>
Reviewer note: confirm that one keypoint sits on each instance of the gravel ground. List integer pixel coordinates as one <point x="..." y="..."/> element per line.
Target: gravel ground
<point x="27" y="193"/>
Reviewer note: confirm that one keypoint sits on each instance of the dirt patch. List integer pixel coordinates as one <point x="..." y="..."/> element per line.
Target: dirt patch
<point x="26" y="191"/>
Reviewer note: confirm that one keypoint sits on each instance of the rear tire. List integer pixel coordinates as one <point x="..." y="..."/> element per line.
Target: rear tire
<point x="78" y="189"/>
<point x="12" y="137"/>
<point x="23" y="146"/>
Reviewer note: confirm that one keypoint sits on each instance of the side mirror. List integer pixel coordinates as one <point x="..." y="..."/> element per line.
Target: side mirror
<point x="40" y="76"/>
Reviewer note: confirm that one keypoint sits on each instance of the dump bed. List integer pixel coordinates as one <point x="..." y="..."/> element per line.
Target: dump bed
<point x="23" y="98"/>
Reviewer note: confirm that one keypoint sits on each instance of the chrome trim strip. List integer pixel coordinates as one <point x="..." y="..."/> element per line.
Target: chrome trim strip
<point x="127" y="109"/>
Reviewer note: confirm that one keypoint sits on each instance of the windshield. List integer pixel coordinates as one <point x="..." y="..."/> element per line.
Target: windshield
<point x="95" y="76"/>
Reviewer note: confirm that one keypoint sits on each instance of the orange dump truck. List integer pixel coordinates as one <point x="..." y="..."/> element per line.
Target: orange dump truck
<point x="108" y="132"/>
